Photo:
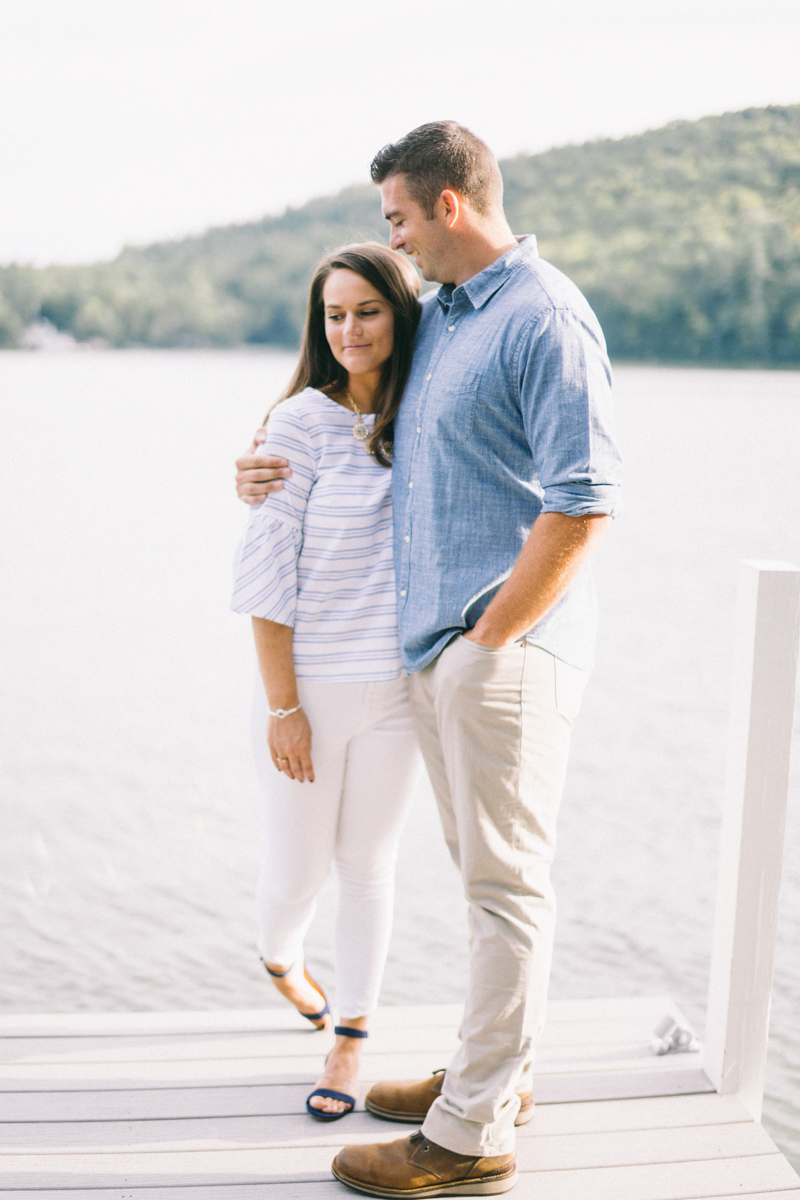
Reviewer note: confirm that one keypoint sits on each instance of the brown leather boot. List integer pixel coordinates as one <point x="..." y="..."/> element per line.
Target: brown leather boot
<point x="410" y="1102"/>
<point x="415" y="1166"/>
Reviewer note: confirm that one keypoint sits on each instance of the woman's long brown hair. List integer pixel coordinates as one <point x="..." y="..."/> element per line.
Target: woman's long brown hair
<point x="397" y="282"/>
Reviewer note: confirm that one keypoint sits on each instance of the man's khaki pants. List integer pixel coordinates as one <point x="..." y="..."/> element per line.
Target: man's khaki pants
<point x="494" y="727"/>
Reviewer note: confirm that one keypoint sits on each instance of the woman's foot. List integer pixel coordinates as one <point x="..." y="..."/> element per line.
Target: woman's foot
<point x="341" y="1071"/>
<point x="299" y="991"/>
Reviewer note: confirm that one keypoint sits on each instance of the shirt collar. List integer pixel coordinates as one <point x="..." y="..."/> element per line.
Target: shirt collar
<point x="482" y="287"/>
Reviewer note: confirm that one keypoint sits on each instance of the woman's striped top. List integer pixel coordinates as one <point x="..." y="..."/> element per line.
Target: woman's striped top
<point x="317" y="555"/>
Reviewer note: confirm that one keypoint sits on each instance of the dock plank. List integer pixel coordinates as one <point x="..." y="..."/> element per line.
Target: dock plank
<point x="608" y="1031"/>
<point x="609" y="1038"/>
<point x="620" y="1085"/>
<point x="568" y="1152"/>
<point x="552" y="1089"/>
<point x="293" y="1049"/>
<point x="628" y="1008"/>
<point x="255" y="1020"/>
<point x="642" y="1009"/>
<point x="299" y="1067"/>
<point x="221" y="1104"/>
<point x="663" y="1181"/>
<point x="277" y="1139"/>
<point x="300" y="1044"/>
<point x="312" y="1148"/>
<point x="527" y="1189"/>
<point x="314" y="1189"/>
<point x="549" y="1089"/>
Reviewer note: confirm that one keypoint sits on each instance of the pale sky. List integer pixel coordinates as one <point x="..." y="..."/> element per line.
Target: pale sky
<point x="127" y="121"/>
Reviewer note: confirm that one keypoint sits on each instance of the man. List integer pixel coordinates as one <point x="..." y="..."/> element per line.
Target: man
<point x="505" y="477"/>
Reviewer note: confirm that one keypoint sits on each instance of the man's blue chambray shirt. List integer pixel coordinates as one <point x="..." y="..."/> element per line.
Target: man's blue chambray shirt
<point x="507" y="414"/>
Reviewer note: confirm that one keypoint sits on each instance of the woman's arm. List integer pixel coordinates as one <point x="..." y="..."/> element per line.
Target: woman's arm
<point x="288" y="738"/>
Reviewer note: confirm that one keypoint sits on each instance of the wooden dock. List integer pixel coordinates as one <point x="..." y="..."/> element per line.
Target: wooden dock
<point x="210" y="1106"/>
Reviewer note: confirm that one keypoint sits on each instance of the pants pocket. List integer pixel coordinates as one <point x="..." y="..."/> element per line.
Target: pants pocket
<point x="476" y="647"/>
<point x="570" y="685"/>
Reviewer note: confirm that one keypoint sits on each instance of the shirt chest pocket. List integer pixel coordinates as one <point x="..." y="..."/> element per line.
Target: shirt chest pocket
<point x="454" y="401"/>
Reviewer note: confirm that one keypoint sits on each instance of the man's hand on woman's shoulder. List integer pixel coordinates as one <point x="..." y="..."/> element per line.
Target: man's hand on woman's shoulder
<point x="259" y="474"/>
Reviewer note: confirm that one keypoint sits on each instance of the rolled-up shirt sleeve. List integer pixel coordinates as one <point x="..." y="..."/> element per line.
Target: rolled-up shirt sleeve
<point x="265" y="565"/>
<point x="564" y="381"/>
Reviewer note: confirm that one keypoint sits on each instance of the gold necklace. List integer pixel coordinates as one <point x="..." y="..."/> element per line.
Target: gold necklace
<point x="360" y="431"/>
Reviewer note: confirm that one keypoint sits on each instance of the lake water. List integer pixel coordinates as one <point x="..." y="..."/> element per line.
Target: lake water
<point x="130" y="822"/>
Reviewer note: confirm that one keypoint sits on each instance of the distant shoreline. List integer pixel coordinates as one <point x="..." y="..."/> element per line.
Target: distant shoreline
<point x="265" y="348"/>
<point x="685" y="240"/>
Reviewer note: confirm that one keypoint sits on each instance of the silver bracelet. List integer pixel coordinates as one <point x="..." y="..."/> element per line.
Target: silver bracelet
<point x="280" y="713"/>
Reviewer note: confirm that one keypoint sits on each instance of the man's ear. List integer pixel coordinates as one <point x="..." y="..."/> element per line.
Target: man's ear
<point x="450" y="207"/>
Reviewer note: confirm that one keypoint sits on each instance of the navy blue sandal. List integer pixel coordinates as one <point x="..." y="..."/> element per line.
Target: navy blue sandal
<point x="312" y="1017"/>
<point x="330" y="1093"/>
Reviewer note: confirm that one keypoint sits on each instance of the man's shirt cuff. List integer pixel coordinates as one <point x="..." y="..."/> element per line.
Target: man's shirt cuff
<point x="583" y="499"/>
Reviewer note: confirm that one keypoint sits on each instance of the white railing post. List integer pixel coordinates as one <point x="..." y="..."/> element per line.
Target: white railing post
<point x="753" y="822"/>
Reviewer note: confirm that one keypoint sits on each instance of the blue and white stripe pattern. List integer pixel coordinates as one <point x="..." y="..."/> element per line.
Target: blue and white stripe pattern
<point x="317" y="555"/>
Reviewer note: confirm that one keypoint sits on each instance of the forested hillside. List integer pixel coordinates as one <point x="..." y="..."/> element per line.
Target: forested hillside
<point x="685" y="239"/>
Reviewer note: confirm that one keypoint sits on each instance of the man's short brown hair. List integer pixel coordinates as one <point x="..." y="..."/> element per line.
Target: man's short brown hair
<point x="439" y="156"/>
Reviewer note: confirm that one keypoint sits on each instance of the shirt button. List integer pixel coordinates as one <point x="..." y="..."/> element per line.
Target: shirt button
<point x="451" y="328"/>
<point x="429" y="377"/>
<point x="403" y="592"/>
<point x="419" y="429"/>
<point x="411" y="483"/>
<point x="406" y="538"/>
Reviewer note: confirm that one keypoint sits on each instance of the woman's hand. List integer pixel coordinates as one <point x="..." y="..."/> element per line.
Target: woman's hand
<point x="289" y="737"/>
<point x="289" y="741"/>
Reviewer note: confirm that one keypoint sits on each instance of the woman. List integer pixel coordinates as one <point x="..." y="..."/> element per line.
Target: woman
<point x="315" y="572"/>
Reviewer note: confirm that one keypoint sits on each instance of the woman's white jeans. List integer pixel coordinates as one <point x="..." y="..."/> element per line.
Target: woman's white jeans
<point x="366" y="765"/>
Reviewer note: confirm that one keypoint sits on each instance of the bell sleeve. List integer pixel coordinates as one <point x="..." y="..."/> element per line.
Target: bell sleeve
<point x="265" y="566"/>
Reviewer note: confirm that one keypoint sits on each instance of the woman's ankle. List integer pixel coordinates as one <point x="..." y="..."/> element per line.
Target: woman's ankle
<point x="358" y="1023"/>
<point x="277" y="970"/>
